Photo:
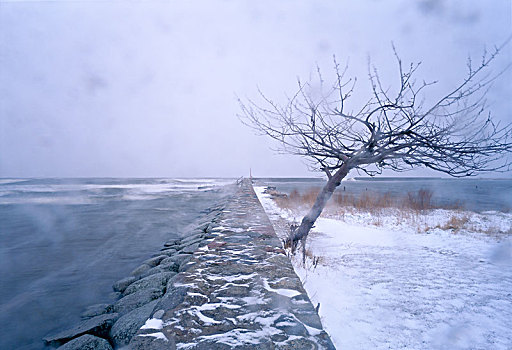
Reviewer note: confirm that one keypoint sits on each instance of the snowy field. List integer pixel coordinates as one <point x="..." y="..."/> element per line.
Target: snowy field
<point x="408" y="282"/>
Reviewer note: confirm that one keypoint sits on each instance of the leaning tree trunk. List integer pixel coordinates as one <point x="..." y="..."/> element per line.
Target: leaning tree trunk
<point x="321" y="200"/>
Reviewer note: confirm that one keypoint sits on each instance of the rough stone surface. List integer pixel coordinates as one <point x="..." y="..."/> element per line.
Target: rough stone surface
<point x="178" y="259"/>
<point x="155" y="260"/>
<point x="147" y="340"/>
<point x="86" y="342"/>
<point x="95" y="310"/>
<point x="162" y="268"/>
<point x="192" y="238"/>
<point x="121" y="285"/>
<point x="140" y="270"/>
<point x="99" y="325"/>
<point x="126" y="326"/>
<point x="190" y="248"/>
<point x="135" y="300"/>
<point x="167" y="251"/>
<point x="155" y="281"/>
<point x="237" y="291"/>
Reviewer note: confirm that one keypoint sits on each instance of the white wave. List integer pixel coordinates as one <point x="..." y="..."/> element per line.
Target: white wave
<point x="46" y="200"/>
<point x="195" y="180"/>
<point x="11" y="181"/>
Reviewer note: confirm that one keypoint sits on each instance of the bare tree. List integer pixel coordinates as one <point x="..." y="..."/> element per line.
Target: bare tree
<point x="396" y="129"/>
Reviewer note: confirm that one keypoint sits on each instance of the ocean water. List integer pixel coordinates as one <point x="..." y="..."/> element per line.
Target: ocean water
<point x="63" y="242"/>
<point x="472" y="194"/>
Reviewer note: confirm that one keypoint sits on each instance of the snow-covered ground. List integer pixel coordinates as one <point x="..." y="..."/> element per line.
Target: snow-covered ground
<point x="408" y="282"/>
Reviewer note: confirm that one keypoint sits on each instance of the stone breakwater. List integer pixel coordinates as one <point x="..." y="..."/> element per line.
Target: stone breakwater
<point x="226" y="285"/>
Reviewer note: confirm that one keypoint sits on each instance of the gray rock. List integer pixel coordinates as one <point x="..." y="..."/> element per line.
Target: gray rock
<point x="155" y="281"/>
<point x="290" y="326"/>
<point x="95" y="310"/>
<point x="167" y="251"/>
<point x="121" y="285"/>
<point x="141" y="342"/>
<point x="137" y="299"/>
<point x="86" y="342"/>
<point x="185" y="265"/>
<point x="192" y="239"/>
<point x="171" y="263"/>
<point x="159" y="269"/>
<point x="114" y="295"/>
<point x="159" y="313"/>
<point x="140" y="270"/>
<point x="172" y="298"/>
<point x="172" y="242"/>
<point x="191" y="248"/>
<point x="178" y="259"/>
<point x="170" y="283"/>
<point x="204" y="226"/>
<point x="126" y="326"/>
<point x="155" y="260"/>
<point x="98" y="325"/>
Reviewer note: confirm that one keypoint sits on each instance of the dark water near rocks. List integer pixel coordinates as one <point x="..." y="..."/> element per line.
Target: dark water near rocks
<point x="471" y="194"/>
<point x="63" y="242"/>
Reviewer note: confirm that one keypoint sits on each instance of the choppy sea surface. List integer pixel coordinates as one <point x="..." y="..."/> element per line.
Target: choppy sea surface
<point x="63" y="242"/>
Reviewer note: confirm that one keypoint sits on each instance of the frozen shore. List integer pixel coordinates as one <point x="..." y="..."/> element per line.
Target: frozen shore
<point x="408" y="281"/>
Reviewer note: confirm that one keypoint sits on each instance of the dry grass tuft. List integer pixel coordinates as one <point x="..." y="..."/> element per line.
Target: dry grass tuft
<point x="455" y="223"/>
<point x="367" y="201"/>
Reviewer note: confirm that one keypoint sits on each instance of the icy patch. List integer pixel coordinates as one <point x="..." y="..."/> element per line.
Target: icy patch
<point x="232" y="278"/>
<point x="153" y="323"/>
<point x="157" y="335"/>
<point x="240" y="337"/>
<point x="311" y="330"/>
<point x="194" y="294"/>
<point x="253" y="300"/>
<point x="290" y="293"/>
<point x="205" y="319"/>
<point x="213" y="306"/>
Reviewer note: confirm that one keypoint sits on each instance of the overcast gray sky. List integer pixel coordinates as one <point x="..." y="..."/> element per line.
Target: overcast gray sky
<point x="147" y="88"/>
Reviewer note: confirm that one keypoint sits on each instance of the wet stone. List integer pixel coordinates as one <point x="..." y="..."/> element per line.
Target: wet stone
<point x="190" y="248"/>
<point x="160" y="269"/>
<point x="137" y="299"/>
<point x="172" y="242"/>
<point x="126" y="326"/>
<point x="96" y="310"/>
<point x="186" y="265"/>
<point x="154" y="341"/>
<point x="121" y="285"/>
<point x="86" y="342"/>
<point x="167" y="251"/>
<point x="98" y="325"/>
<point x="192" y="239"/>
<point x="155" y="260"/>
<point x="140" y="270"/>
<point x="155" y="281"/>
<point x="178" y="259"/>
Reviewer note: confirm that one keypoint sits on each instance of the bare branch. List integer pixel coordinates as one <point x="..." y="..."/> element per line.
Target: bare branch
<point x="397" y="129"/>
